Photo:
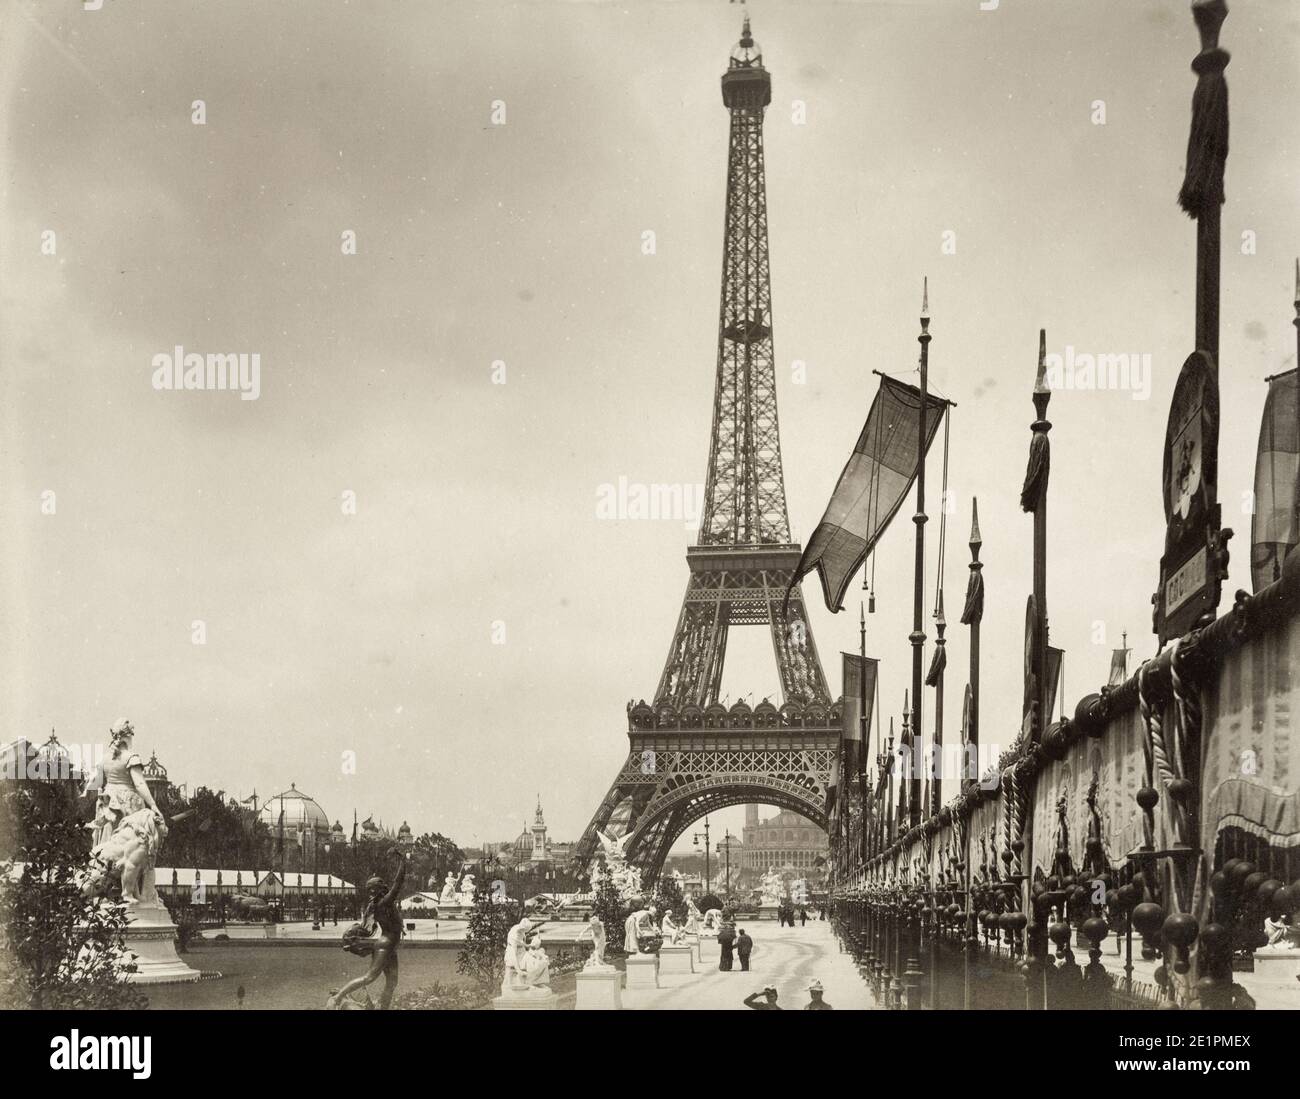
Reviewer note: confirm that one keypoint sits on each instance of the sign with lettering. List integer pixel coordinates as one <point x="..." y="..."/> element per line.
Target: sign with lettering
<point x="1195" y="561"/>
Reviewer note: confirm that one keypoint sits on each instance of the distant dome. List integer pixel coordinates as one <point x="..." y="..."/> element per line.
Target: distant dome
<point x="153" y="770"/>
<point x="300" y="810"/>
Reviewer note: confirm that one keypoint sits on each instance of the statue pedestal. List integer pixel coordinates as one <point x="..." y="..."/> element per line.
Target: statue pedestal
<point x="693" y="941"/>
<point x="767" y="910"/>
<point x="641" y="969"/>
<point x="676" y="963"/>
<point x="150" y="936"/>
<point x="599" y="990"/>
<point x="710" y="951"/>
<point x="526" y="1001"/>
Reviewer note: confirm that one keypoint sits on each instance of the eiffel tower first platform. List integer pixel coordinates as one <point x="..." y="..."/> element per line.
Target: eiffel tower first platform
<point x="688" y="754"/>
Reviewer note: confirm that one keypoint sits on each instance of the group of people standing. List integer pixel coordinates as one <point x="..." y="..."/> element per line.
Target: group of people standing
<point x="733" y="944"/>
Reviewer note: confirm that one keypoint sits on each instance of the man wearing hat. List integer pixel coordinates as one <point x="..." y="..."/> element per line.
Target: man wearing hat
<point x="764" y="1000"/>
<point x="816" y="1003"/>
<point x="744" y="947"/>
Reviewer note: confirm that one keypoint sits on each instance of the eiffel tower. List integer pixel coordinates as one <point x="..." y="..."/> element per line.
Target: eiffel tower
<point x="690" y="755"/>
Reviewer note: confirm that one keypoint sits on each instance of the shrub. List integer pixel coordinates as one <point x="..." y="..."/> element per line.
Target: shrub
<point x="58" y="949"/>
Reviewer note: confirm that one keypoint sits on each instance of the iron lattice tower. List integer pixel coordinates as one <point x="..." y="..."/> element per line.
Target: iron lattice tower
<point x="689" y="754"/>
<point x="743" y="560"/>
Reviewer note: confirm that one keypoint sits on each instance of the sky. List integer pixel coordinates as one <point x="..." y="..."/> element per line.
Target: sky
<point x="407" y="599"/>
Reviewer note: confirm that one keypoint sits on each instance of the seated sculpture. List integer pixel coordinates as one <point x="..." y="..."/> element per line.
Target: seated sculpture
<point x="534" y="973"/>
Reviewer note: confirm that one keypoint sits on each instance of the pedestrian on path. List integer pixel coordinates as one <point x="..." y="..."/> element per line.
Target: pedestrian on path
<point x="816" y="1003"/>
<point x="803" y="917"/>
<point x="744" y="947"/>
<point x="726" y="943"/>
<point x="765" y="1000"/>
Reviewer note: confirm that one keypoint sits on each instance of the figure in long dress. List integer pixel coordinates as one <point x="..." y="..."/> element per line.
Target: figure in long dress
<point x="381" y="912"/>
<point x="122" y="798"/>
<point x="639" y="923"/>
<point x="535" y="966"/>
<point x="516" y="944"/>
<point x="692" y="917"/>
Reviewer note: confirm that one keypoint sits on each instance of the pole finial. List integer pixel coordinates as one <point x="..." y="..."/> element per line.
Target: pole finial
<point x="1040" y="381"/>
<point x="925" y="297"/>
<point x="975" y="540"/>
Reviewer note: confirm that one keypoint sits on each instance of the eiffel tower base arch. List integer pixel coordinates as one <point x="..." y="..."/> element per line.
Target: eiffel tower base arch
<point x="674" y="775"/>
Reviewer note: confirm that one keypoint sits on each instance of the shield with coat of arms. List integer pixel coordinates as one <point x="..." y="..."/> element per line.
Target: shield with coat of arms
<point x="1186" y="452"/>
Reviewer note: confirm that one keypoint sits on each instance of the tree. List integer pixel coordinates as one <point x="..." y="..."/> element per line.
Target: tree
<point x="482" y="958"/>
<point x="668" y="898"/>
<point x="58" y="949"/>
<point x="609" y="906"/>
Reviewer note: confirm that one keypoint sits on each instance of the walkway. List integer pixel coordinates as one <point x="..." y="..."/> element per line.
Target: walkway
<point x="789" y="958"/>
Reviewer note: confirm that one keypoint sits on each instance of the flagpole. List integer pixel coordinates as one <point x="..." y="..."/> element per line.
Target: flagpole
<point x="861" y="764"/>
<point x="917" y="636"/>
<point x="972" y="614"/>
<point x="936" y="749"/>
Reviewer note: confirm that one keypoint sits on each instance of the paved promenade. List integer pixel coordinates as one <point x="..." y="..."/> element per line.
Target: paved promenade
<point x="789" y="958"/>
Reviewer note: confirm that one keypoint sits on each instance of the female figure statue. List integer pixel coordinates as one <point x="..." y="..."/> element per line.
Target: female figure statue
<point x="535" y="966"/>
<point x="120" y="785"/>
<point x="381" y="912"/>
<point x="128" y="827"/>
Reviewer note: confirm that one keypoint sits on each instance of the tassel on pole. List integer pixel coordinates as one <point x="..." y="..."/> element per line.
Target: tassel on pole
<point x="1207" y="145"/>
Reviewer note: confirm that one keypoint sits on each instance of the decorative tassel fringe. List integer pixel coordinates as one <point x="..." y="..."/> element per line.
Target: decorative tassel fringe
<point x="1036" y="474"/>
<point x="1207" y="145"/>
<point x="974" y="609"/>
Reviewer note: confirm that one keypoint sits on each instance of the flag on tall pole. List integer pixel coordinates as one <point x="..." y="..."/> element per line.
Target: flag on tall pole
<point x="1274" y="528"/>
<point x="859" y="683"/>
<point x="1118" y="665"/>
<point x="871" y="488"/>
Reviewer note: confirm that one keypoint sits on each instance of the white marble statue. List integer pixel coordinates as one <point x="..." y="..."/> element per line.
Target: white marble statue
<point x="467" y="890"/>
<point x="128" y="827"/>
<point x="773" y="887"/>
<point x="614" y="847"/>
<point x="713" y="920"/>
<point x="448" y="895"/>
<point x="596" y="930"/>
<point x="670" y="930"/>
<point x="516" y="945"/>
<point x="640" y="923"/>
<point x="693" y="917"/>
<point x="534" y="970"/>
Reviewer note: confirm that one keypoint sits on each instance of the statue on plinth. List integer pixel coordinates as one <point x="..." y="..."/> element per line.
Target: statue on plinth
<point x="693" y="917"/>
<point x="773" y="887"/>
<point x="516" y="945"/>
<point x="534" y="973"/>
<point x="625" y="876"/>
<point x="128" y="827"/>
<point x="639" y="925"/>
<point x="670" y="930"/>
<point x="448" y="895"/>
<point x="596" y="929"/>
<point x="467" y="891"/>
<point x="713" y="920"/>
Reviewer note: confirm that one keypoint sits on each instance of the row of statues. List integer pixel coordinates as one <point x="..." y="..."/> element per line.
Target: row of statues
<point x="463" y="895"/>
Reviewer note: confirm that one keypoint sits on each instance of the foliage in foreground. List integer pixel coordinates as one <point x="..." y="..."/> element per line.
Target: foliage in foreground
<point x="482" y="958"/>
<point x="58" y="949"/>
